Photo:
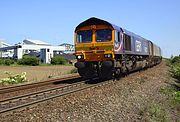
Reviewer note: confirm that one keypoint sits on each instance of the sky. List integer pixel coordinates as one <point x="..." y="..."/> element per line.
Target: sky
<point x="54" y="21"/>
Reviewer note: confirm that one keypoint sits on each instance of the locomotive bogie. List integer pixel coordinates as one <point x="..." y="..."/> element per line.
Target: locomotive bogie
<point x="101" y="69"/>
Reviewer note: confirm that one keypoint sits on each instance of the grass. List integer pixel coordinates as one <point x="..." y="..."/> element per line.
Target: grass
<point x="45" y="64"/>
<point x="160" y="111"/>
<point x="17" y="65"/>
<point x="74" y="70"/>
<point x="158" y="114"/>
<point x="177" y="96"/>
<point x="37" y="73"/>
<point x="154" y="113"/>
<point x="66" y="64"/>
<point x="167" y="91"/>
<point x="172" y="93"/>
<point x="173" y="98"/>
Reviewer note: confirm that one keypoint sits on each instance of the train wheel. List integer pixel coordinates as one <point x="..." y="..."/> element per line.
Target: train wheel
<point x="106" y="73"/>
<point x="117" y="73"/>
<point x="106" y="70"/>
<point x="81" y="71"/>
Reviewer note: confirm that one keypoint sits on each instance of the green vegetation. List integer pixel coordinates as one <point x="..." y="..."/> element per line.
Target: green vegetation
<point x="154" y="112"/>
<point x="175" y="73"/>
<point x="175" y="60"/>
<point x="173" y="93"/>
<point x="33" y="61"/>
<point x="177" y="96"/>
<point x="174" y="63"/>
<point x="28" y="60"/>
<point x="157" y="111"/>
<point x="58" y="60"/>
<point x="6" y="62"/>
<point x="158" y="114"/>
<point x="74" y="70"/>
<point x="13" y="79"/>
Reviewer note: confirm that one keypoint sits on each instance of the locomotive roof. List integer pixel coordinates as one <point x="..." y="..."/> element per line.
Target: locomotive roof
<point x="93" y="21"/>
<point x="96" y="21"/>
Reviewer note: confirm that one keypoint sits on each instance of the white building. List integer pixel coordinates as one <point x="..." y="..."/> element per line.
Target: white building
<point x="6" y="53"/>
<point x="28" y="46"/>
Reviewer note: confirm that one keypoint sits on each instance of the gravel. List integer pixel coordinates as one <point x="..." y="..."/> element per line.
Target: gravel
<point x="122" y="100"/>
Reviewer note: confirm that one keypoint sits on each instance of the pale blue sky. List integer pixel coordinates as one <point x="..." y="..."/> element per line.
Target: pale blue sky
<point x="53" y="21"/>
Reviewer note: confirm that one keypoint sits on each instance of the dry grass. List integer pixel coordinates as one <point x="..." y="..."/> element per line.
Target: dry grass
<point x="37" y="73"/>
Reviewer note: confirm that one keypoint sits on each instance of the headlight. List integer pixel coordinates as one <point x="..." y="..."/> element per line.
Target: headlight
<point x="108" y="56"/>
<point x="80" y="57"/>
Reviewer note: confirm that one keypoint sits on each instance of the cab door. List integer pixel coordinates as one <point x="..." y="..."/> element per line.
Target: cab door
<point x="118" y="36"/>
<point x="150" y="48"/>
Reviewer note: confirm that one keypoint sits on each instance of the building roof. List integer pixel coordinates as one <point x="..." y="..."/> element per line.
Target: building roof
<point x="35" y="42"/>
<point x="64" y="44"/>
<point x="4" y="44"/>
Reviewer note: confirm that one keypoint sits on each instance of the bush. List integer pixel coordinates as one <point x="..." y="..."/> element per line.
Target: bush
<point x="175" y="67"/>
<point x="58" y="60"/>
<point x="1" y="61"/>
<point x="6" y="61"/>
<point x="175" y="60"/>
<point x="175" y="71"/>
<point x="28" y="60"/>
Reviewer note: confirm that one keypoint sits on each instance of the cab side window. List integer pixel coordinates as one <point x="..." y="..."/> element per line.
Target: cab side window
<point x="118" y="36"/>
<point x="127" y="42"/>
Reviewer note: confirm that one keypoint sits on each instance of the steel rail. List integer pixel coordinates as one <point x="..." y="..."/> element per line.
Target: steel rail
<point x="31" y="85"/>
<point x="75" y="87"/>
<point x="35" y="93"/>
<point x="10" y="101"/>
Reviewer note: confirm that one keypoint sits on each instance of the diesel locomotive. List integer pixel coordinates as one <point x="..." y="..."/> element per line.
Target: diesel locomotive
<point x="104" y="50"/>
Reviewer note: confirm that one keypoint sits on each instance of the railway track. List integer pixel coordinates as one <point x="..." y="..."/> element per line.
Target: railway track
<point x="26" y="100"/>
<point x="32" y="85"/>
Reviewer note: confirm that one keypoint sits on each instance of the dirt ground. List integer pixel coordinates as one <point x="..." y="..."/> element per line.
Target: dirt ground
<point x="36" y="73"/>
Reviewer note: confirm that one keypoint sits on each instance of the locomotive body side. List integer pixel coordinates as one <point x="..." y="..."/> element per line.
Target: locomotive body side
<point x="132" y="44"/>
